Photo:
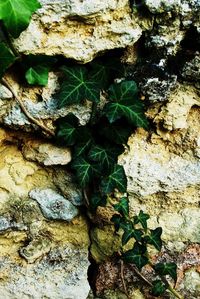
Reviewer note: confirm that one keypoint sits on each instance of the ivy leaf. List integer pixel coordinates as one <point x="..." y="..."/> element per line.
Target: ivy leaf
<point x="158" y="288"/>
<point x="82" y="147"/>
<point x="131" y="233"/>
<point x="16" y="14"/>
<point x="6" y="58"/>
<point x="117" y="133"/>
<point x="116" y="179"/>
<point x="78" y="86"/>
<point x="100" y="73"/>
<point x="136" y="256"/>
<point x="155" y="238"/>
<point x="116" y="219"/>
<point x="37" y="75"/>
<point x="141" y="218"/>
<point x="85" y="171"/>
<point x="107" y="156"/>
<point x="126" y="104"/>
<point x="122" y="207"/>
<point x="167" y="269"/>
<point x="97" y="200"/>
<point x="68" y="129"/>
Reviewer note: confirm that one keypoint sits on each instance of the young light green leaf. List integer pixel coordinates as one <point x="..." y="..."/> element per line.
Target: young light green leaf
<point x="117" y="179"/>
<point x="6" y="58"/>
<point x="97" y="200"/>
<point x="122" y="207"/>
<point x="155" y="238"/>
<point x="158" y="288"/>
<point x="78" y="86"/>
<point x="16" y="14"/>
<point x="37" y="75"/>
<point x="167" y="269"/>
<point x="141" y="218"/>
<point x="84" y="171"/>
<point x="126" y="104"/>
<point x="136" y="256"/>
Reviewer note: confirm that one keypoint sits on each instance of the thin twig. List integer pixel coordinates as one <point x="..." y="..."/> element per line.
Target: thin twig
<point x="141" y="276"/>
<point x="26" y="112"/>
<point x="122" y="279"/>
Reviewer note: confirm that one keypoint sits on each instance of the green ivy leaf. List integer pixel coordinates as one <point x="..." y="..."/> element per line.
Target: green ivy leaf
<point x="16" y="14"/>
<point x="155" y="238"/>
<point x="122" y="207"/>
<point x="68" y="130"/>
<point x="97" y="200"/>
<point x="158" y="288"/>
<point x="141" y="218"/>
<point x="126" y="104"/>
<point x="85" y="171"/>
<point x="116" y="219"/>
<point x="37" y="75"/>
<point x="167" y="269"/>
<point x="116" y="179"/>
<point x="81" y="148"/>
<point x="117" y="133"/>
<point x="6" y="58"/>
<point x="78" y="86"/>
<point x="131" y="233"/>
<point x="107" y="156"/>
<point x="136" y="255"/>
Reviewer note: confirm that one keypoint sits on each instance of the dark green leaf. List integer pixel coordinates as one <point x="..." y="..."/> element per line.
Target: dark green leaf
<point x="136" y="256"/>
<point x="16" y="14"/>
<point x="100" y="73"/>
<point x="6" y="58"/>
<point x="82" y="147"/>
<point x="68" y="130"/>
<point x="117" y="133"/>
<point x="107" y="156"/>
<point x="116" y="219"/>
<point x="122" y="207"/>
<point x="37" y="75"/>
<point x="85" y="172"/>
<point x="117" y="179"/>
<point x="77" y="86"/>
<point x="131" y="233"/>
<point x="97" y="200"/>
<point x="126" y="104"/>
<point x="158" y="288"/>
<point x="155" y="238"/>
<point x="141" y="218"/>
<point x="167" y="269"/>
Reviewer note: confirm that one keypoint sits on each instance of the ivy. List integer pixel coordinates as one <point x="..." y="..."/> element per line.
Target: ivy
<point x="96" y="146"/>
<point x="16" y="14"/>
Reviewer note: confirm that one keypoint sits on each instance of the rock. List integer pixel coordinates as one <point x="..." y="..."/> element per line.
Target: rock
<point x="87" y="28"/>
<point x="53" y="205"/>
<point x="192" y="283"/>
<point x="5" y="93"/>
<point x="191" y="70"/>
<point x="61" y="274"/>
<point x="46" y="153"/>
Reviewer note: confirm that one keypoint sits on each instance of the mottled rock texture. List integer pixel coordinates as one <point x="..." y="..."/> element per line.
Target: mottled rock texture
<point x="44" y="238"/>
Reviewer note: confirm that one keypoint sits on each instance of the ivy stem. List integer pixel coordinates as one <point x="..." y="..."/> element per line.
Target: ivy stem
<point x="171" y="289"/>
<point x="26" y="112"/>
<point x="122" y="279"/>
<point x="93" y="113"/>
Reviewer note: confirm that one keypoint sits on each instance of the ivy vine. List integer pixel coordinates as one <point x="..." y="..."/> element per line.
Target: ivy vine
<point x="96" y="146"/>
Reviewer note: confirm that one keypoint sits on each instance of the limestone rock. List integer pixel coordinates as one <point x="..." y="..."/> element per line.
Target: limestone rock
<point x="5" y="93"/>
<point x="79" y="29"/>
<point x="53" y="205"/>
<point x="46" y="153"/>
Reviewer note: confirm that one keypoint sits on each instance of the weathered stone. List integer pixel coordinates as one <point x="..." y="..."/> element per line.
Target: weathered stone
<point x="46" y="153"/>
<point x="53" y="205"/>
<point x="87" y="28"/>
<point x="5" y="93"/>
<point x="191" y="69"/>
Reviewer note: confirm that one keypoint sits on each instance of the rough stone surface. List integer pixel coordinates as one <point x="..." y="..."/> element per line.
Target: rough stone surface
<point x="46" y="153"/>
<point x="53" y="205"/>
<point x="87" y="28"/>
